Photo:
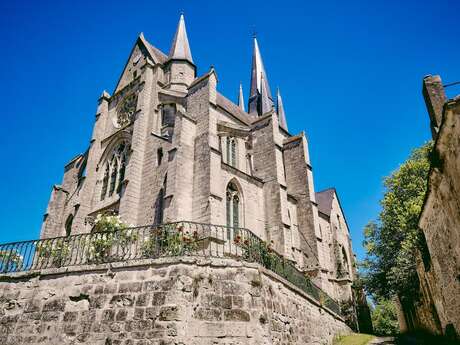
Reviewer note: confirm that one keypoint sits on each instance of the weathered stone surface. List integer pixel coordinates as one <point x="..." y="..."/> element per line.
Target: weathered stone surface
<point x="167" y="314"/>
<point x="438" y="264"/>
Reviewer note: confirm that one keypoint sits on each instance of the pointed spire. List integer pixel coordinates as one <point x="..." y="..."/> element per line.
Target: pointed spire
<point x="280" y="110"/>
<point x="259" y="82"/>
<point x="241" y="98"/>
<point x="266" y="104"/>
<point x="180" y="49"/>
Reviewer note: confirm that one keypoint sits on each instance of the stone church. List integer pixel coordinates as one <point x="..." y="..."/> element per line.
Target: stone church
<point x="168" y="146"/>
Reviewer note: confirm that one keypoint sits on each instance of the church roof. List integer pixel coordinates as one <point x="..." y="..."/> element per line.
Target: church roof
<point x="156" y="53"/>
<point x="324" y="200"/>
<point x="232" y="108"/>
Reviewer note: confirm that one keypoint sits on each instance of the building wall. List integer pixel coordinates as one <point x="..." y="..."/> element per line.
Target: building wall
<point x="161" y="302"/>
<point x="440" y="222"/>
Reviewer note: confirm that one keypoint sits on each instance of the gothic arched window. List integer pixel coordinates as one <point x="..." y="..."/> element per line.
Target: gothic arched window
<point x="233" y="207"/>
<point x="68" y="225"/>
<point x="115" y="169"/>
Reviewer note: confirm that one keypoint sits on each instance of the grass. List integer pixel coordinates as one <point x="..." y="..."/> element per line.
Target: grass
<point x="354" y="339"/>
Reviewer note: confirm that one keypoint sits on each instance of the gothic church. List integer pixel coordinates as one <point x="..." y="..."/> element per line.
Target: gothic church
<point x="167" y="146"/>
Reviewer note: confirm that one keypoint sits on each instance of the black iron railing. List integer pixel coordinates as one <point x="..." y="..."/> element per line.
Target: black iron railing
<point x="154" y="241"/>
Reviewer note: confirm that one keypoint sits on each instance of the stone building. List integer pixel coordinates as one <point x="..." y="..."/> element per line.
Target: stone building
<point x="438" y="265"/>
<point x="168" y="146"/>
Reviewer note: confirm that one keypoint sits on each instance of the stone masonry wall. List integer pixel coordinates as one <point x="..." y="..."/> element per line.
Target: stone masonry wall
<point x="167" y="301"/>
<point x="439" y="264"/>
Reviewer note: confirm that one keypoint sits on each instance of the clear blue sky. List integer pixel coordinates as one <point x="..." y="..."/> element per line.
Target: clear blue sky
<point x="350" y="75"/>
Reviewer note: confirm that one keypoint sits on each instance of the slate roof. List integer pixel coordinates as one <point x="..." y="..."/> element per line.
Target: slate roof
<point x="156" y="53"/>
<point x="324" y="200"/>
<point x="232" y="108"/>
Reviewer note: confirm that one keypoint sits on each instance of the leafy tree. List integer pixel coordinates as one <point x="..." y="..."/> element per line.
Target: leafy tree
<point x="384" y="318"/>
<point x="392" y="240"/>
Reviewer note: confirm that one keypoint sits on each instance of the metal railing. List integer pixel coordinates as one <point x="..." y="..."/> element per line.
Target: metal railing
<point x="155" y="241"/>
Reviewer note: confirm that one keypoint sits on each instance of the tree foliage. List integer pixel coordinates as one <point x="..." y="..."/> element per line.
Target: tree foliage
<point x="392" y="240"/>
<point x="384" y="318"/>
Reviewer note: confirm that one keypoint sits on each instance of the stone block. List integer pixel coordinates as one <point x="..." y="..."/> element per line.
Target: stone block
<point x="207" y="314"/>
<point x="130" y="287"/>
<point x="50" y="316"/>
<point x="158" y="298"/>
<point x="70" y="316"/>
<point x="97" y="301"/>
<point x="170" y="313"/>
<point x="121" y="315"/>
<point x="236" y="315"/>
<point x="142" y="300"/>
<point x="108" y="315"/>
<point x="123" y="300"/>
<point x="211" y="329"/>
<point x="152" y="313"/>
<point x="139" y="313"/>
<point x="33" y="305"/>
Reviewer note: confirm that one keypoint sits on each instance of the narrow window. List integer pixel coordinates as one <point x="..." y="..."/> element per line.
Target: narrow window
<point x="159" y="156"/>
<point x="113" y="176"/>
<point x="233" y="157"/>
<point x="346" y="265"/>
<point x="228" y="149"/>
<point x="229" y="209"/>
<point x="249" y="163"/>
<point x="159" y="206"/>
<point x="231" y="151"/>
<point x="105" y="181"/>
<point x="68" y="225"/>
<point x="236" y="213"/>
<point x="233" y="209"/>
<point x="121" y="176"/>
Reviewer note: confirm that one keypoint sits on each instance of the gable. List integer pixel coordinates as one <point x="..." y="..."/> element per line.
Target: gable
<point x="137" y="58"/>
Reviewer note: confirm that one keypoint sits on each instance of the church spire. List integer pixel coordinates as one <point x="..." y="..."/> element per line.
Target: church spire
<point x="280" y="110"/>
<point x="241" y="98"/>
<point x="180" y="49"/>
<point x="257" y="102"/>
<point x="266" y="103"/>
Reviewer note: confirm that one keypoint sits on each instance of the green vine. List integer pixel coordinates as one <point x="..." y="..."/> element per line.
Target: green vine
<point x="56" y="252"/>
<point x="170" y="241"/>
<point x="109" y="232"/>
<point x="258" y="251"/>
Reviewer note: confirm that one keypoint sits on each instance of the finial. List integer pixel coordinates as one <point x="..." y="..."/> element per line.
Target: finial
<point x="254" y="32"/>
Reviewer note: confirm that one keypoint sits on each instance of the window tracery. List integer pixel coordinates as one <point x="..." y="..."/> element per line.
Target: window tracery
<point x="126" y="110"/>
<point x="114" y="173"/>
<point x="231" y="151"/>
